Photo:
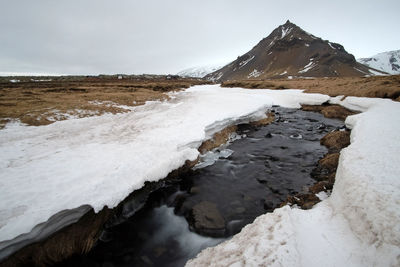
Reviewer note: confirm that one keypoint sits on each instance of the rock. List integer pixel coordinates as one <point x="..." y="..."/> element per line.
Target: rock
<point x="195" y="190"/>
<point x="158" y="251"/>
<point x="240" y="210"/>
<point x="146" y="260"/>
<point x="268" y="135"/>
<point x="321" y="186"/>
<point x="336" y="140"/>
<point x="206" y="219"/>
<point x="305" y="201"/>
<point x="325" y="171"/>
<point x="330" y="162"/>
<point x="268" y="205"/>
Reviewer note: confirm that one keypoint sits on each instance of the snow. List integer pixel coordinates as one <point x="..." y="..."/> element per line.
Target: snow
<point x="283" y="73"/>
<point x="358" y="225"/>
<point x="285" y="31"/>
<point x="364" y="72"/>
<point x="14" y="81"/>
<point x="387" y="61"/>
<point x="331" y="45"/>
<point x="200" y="72"/>
<point x="255" y="73"/>
<point x="98" y="161"/>
<point x="244" y="62"/>
<point x="41" y="80"/>
<point x="307" y="67"/>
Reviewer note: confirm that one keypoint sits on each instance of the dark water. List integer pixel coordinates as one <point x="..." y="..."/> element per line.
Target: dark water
<point x="266" y="164"/>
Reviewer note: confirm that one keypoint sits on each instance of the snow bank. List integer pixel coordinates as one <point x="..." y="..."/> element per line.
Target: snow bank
<point x="358" y="225"/>
<point x="98" y="161"/>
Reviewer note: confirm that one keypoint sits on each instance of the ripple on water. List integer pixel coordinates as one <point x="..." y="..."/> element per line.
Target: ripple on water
<point x="244" y="179"/>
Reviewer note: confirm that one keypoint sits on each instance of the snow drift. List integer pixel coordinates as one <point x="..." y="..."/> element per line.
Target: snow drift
<point x="99" y="161"/>
<point x="358" y="225"/>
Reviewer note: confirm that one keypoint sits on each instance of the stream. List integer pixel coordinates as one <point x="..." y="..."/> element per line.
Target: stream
<point x="231" y="186"/>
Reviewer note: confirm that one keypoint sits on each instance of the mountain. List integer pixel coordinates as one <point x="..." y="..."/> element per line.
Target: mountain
<point x="199" y="72"/>
<point x="387" y="61"/>
<point x="290" y="52"/>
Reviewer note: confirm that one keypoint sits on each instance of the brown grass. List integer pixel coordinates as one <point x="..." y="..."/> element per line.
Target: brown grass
<point x="378" y="86"/>
<point x="36" y="103"/>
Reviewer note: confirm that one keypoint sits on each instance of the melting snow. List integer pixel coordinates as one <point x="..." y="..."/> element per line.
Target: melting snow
<point x="358" y="225"/>
<point x="98" y="161"/>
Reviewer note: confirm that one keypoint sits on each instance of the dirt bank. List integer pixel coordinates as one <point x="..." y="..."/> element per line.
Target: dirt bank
<point x="325" y="171"/>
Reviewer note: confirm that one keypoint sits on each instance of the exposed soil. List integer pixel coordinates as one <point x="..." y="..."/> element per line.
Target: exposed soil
<point x="41" y="103"/>
<point x="377" y="86"/>
<point x="325" y="171"/>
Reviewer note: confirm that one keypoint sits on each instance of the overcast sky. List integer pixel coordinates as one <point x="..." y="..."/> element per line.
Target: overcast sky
<point x="166" y="36"/>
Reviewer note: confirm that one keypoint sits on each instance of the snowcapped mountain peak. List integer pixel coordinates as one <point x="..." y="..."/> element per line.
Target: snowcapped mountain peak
<point x="199" y="72"/>
<point x="387" y="61"/>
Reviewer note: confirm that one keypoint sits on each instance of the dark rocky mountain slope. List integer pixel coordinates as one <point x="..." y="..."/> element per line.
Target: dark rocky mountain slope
<point x="290" y="52"/>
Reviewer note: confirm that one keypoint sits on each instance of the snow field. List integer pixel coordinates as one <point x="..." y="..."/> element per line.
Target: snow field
<point x="98" y="161"/>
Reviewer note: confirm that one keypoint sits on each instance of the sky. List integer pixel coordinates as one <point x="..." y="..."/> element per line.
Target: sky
<point x="167" y="36"/>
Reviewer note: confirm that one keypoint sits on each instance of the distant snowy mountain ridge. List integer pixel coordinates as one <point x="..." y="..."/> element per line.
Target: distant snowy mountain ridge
<point x="387" y="61"/>
<point x="199" y="72"/>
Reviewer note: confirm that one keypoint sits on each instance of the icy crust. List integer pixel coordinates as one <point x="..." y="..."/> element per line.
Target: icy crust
<point x="98" y="161"/>
<point x="358" y="225"/>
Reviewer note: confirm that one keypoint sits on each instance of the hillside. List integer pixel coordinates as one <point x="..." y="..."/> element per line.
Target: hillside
<point x="290" y="52"/>
<point x="387" y="61"/>
<point x="199" y="72"/>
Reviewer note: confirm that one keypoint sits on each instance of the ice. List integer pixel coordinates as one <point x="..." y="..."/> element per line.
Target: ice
<point x="358" y="225"/>
<point x="98" y="161"/>
<point x="211" y="157"/>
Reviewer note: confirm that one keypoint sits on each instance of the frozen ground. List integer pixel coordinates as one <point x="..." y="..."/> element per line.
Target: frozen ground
<point x="98" y="161"/>
<point x="358" y="225"/>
